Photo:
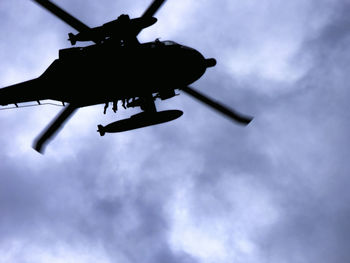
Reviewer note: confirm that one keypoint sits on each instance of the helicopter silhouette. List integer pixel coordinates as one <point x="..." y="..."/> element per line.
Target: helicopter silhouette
<point x="117" y="67"/>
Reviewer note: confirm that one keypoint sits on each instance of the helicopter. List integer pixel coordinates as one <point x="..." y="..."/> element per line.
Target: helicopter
<point x="116" y="67"/>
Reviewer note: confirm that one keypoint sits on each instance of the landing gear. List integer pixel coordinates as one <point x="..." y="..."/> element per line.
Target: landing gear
<point x="147" y="103"/>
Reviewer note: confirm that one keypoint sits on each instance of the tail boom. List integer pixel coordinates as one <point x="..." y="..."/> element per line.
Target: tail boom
<point x="22" y="92"/>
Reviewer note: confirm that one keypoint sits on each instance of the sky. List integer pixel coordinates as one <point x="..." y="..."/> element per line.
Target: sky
<point x="200" y="189"/>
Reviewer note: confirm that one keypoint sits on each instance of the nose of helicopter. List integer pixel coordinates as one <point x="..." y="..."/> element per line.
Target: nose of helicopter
<point x="210" y="62"/>
<point x="196" y="63"/>
<point x="199" y="59"/>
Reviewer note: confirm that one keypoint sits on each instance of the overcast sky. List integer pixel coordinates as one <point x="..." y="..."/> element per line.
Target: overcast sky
<point x="200" y="189"/>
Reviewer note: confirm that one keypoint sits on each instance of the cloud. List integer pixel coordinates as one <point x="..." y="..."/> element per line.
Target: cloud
<point x="198" y="189"/>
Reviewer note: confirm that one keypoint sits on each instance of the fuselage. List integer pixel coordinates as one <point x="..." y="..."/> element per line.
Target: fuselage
<point x="106" y="72"/>
<point x="98" y="74"/>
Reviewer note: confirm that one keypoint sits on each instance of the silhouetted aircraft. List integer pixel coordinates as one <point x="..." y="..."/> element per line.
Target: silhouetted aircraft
<point x="117" y="67"/>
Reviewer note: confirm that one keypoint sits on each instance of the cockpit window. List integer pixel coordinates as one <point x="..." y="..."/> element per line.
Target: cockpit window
<point x="169" y="43"/>
<point x="157" y="42"/>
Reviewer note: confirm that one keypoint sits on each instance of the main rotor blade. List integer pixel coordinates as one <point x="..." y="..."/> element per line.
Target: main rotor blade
<point x="63" y="15"/>
<point x="217" y="106"/>
<point x="41" y="141"/>
<point x="150" y="12"/>
<point x="153" y="8"/>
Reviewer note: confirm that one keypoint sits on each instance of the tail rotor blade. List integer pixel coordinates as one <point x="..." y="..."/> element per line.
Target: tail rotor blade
<point x="41" y="141"/>
<point x="245" y="120"/>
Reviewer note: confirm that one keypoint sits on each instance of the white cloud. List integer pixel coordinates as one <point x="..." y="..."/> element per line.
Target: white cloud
<point x="222" y="223"/>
